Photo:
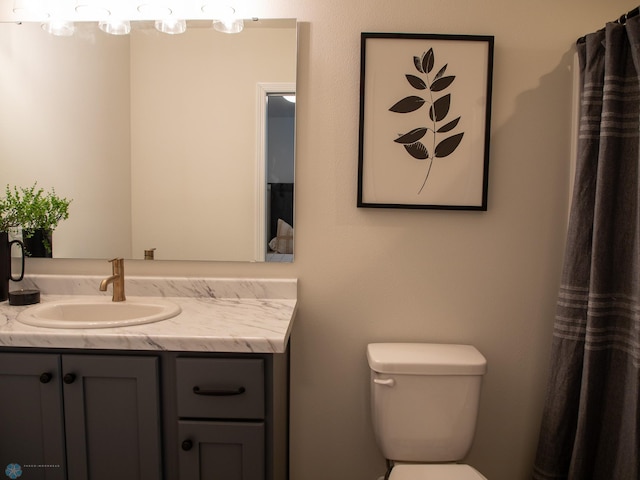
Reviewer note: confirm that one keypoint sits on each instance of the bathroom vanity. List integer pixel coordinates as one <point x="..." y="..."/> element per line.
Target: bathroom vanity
<point x="201" y="395"/>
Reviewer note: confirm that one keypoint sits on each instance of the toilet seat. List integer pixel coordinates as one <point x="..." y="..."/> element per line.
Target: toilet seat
<point x="452" y="471"/>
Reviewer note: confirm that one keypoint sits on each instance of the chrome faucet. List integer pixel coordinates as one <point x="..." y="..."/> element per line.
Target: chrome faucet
<point x="117" y="278"/>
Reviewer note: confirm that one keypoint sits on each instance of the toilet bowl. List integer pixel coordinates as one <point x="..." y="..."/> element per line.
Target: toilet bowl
<point x="424" y="405"/>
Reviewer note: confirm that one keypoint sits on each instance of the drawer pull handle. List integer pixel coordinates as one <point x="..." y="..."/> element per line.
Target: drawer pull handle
<point x="69" y="378"/>
<point x="45" y="377"/>
<point x="187" y="445"/>
<point x="218" y="392"/>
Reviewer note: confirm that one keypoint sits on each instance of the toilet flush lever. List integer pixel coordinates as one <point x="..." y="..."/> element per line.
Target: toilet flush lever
<point x="389" y="382"/>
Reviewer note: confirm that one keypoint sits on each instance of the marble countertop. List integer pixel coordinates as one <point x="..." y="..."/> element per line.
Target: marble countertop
<point x="218" y="315"/>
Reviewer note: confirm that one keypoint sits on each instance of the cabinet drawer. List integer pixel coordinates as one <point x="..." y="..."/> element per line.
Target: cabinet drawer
<point x="220" y="388"/>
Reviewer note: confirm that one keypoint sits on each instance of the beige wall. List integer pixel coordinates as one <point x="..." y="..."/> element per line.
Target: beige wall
<point x="488" y="279"/>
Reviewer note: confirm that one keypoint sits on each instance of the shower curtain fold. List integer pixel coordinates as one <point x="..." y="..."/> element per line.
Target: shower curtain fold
<point x="591" y="423"/>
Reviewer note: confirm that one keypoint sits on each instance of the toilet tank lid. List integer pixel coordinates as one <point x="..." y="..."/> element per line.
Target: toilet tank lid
<point x="426" y="359"/>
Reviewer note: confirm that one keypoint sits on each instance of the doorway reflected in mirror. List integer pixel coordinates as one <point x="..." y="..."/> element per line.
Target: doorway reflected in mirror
<point x="280" y="148"/>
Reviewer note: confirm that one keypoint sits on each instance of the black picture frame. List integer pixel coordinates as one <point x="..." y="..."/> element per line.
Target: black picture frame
<point x="425" y="121"/>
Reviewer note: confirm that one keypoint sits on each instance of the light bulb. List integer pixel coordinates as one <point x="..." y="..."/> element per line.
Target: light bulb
<point x="115" y="27"/>
<point x="229" y="25"/>
<point x="225" y="17"/>
<point x="59" y="28"/>
<point x="172" y="26"/>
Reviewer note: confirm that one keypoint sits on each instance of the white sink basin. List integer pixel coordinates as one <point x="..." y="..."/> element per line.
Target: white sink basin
<point x="98" y="312"/>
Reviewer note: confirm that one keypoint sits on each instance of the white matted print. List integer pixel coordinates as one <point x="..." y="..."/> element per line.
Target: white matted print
<point x="425" y="110"/>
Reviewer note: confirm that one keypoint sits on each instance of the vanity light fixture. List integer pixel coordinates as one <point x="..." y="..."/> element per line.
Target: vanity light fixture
<point x="115" y="16"/>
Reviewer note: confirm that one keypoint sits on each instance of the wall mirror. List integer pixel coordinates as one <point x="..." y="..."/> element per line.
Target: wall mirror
<point x="179" y="143"/>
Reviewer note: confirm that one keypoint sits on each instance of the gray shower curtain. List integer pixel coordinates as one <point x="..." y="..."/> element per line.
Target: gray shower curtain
<point x="590" y="427"/>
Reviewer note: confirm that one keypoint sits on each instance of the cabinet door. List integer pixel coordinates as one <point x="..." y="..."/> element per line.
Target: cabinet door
<point x="225" y="450"/>
<point x="111" y="417"/>
<point x="31" y="432"/>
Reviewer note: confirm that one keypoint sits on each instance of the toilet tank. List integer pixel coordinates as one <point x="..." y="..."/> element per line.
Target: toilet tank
<point x="424" y="399"/>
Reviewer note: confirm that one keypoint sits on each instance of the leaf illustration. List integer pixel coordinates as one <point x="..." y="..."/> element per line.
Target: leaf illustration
<point x="412" y="136"/>
<point x="449" y="126"/>
<point x="418" y="64"/>
<point x="440" y="108"/>
<point x="442" y="83"/>
<point x="448" y="145"/>
<point x="408" y="104"/>
<point x="427" y="61"/>
<point x="416" y="82"/>
<point x="417" y="150"/>
<point x="440" y="73"/>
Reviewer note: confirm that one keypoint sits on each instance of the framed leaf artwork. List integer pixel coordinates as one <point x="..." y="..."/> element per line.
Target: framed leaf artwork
<point x="425" y="111"/>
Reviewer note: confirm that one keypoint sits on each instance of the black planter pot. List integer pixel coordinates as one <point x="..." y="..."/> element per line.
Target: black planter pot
<point x="38" y="243"/>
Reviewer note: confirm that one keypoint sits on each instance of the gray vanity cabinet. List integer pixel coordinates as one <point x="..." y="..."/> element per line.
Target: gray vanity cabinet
<point x="80" y="416"/>
<point x="232" y="417"/>
<point x="31" y="422"/>
<point x="133" y="415"/>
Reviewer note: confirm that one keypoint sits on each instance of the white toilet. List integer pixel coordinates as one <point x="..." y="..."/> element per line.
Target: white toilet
<point x="424" y="403"/>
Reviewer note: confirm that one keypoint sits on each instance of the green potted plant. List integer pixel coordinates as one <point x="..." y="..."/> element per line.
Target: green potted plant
<point x="39" y="213"/>
<point x="9" y="211"/>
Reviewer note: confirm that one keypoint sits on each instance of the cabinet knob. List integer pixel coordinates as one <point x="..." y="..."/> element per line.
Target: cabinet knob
<point x="187" y="445"/>
<point x="45" y="377"/>
<point x="69" y="378"/>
